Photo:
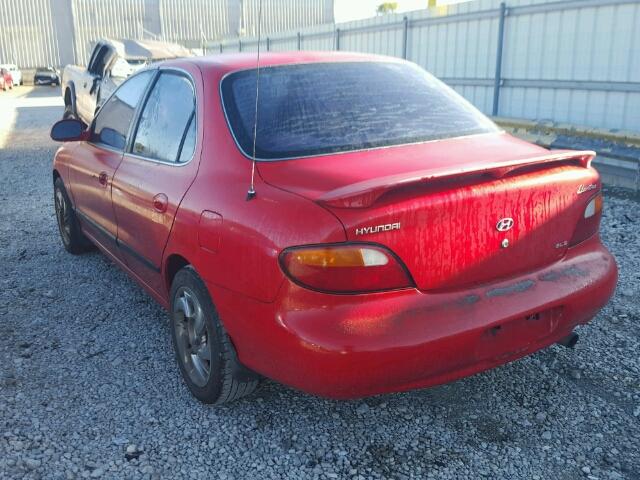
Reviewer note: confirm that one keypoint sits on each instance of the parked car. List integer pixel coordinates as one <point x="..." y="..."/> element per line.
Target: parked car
<point x="110" y="63"/>
<point x="46" y="76"/>
<point x="7" y="81"/>
<point x="391" y="237"/>
<point x="16" y="74"/>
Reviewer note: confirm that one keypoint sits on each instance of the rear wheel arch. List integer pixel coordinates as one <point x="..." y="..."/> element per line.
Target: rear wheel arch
<point x="231" y="379"/>
<point x="174" y="263"/>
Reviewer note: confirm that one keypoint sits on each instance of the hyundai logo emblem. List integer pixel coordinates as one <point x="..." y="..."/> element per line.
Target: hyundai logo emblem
<point x="504" y="224"/>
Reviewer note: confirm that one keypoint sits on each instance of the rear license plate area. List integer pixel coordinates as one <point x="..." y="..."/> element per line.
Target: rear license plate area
<point x="516" y="335"/>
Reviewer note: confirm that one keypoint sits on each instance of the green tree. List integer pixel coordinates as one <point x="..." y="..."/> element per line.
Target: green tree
<point x="387" y="7"/>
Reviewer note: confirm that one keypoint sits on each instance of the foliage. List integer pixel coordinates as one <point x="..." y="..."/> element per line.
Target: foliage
<point x="387" y="7"/>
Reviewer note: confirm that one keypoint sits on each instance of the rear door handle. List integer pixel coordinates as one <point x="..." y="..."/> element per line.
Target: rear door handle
<point x="160" y="202"/>
<point x="103" y="179"/>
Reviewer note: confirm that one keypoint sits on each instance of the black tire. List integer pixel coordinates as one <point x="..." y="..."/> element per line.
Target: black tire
<point x="226" y="379"/>
<point x="73" y="239"/>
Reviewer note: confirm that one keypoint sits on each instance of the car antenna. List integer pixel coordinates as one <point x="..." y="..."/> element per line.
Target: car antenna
<point x="251" y="193"/>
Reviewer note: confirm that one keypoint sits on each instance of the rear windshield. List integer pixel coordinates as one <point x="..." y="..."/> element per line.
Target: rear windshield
<point x="321" y="108"/>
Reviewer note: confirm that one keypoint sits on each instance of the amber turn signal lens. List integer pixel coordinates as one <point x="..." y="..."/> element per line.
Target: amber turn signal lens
<point x="349" y="268"/>
<point x="341" y="257"/>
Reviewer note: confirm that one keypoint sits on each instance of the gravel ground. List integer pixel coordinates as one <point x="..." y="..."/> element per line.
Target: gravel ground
<point x="89" y="386"/>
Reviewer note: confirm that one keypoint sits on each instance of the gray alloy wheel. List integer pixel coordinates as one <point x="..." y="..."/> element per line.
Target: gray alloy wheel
<point x="192" y="336"/>
<point x="204" y="352"/>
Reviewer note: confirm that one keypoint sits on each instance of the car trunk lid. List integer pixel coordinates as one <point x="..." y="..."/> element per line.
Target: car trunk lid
<point x="457" y="212"/>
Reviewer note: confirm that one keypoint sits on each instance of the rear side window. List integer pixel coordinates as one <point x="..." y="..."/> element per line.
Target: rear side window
<point x="112" y="122"/>
<point x="166" y="119"/>
<point x="321" y="108"/>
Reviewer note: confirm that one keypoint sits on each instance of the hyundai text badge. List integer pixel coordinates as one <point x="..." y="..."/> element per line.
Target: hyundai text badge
<point x="378" y="228"/>
<point x="504" y="224"/>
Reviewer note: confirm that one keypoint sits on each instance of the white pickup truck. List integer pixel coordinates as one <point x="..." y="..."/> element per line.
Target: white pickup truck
<point x="110" y="63"/>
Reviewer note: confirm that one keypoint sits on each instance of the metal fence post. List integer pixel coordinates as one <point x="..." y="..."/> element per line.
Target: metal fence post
<point x="268" y="44"/>
<point x="299" y="41"/>
<point x="221" y="47"/>
<point x="405" y="36"/>
<point x="337" y="39"/>
<point x="498" y="78"/>
<point x="239" y="45"/>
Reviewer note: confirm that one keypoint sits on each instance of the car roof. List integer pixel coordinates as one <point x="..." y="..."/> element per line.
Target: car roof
<point x="131" y="49"/>
<point x="229" y="62"/>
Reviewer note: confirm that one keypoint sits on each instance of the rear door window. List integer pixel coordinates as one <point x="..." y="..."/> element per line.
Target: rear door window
<point x="112" y="121"/>
<point x="322" y="108"/>
<point x="166" y="121"/>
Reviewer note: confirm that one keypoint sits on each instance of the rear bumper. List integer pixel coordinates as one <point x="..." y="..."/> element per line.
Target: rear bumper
<point x="347" y="346"/>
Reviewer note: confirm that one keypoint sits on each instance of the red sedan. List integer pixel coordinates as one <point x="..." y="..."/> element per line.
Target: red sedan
<point x="6" y="80"/>
<point x="390" y="237"/>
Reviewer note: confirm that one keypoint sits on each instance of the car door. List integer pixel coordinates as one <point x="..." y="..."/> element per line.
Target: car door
<point x="95" y="162"/>
<point x="156" y="172"/>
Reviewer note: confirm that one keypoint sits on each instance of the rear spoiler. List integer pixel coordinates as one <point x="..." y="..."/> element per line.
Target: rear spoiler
<point x="364" y="194"/>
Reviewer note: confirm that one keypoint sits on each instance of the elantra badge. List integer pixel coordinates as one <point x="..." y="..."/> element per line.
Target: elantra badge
<point x="504" y="224"/>
<point x="586" y="188"/>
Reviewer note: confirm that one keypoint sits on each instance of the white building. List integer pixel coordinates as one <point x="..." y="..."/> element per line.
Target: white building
<point x="57" y="32"/>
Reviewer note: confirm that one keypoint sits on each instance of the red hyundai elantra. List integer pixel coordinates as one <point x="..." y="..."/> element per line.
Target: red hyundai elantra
<point x="396" y="238"/>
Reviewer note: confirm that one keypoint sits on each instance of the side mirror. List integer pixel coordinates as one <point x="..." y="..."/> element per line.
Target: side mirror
<point x="69" y="130"/>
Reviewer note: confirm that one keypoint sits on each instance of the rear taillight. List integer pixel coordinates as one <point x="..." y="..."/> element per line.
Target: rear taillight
<point x="589" y="222"/>
<point x="345" y="268"/>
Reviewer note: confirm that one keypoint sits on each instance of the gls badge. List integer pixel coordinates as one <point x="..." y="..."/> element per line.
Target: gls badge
<point x="378" y="228"/>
